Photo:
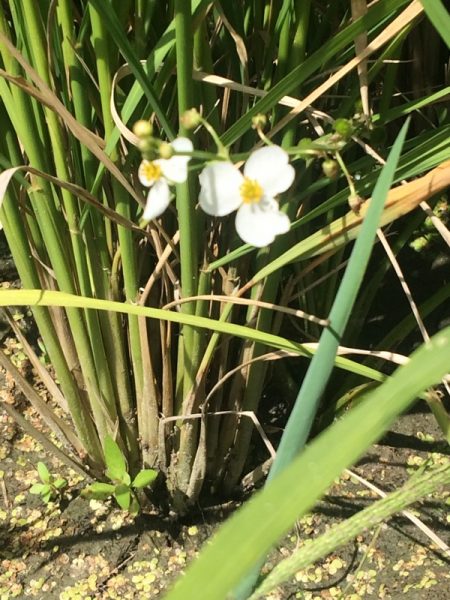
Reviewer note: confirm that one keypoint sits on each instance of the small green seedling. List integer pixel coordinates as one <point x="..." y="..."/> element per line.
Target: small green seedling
<point x="50" y="487"/>
<point x="121" y="488"/>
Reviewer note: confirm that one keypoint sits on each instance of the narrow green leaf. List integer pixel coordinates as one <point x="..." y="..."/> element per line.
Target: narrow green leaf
<point x="51" y="298"/>
<point x="47" y="496"/>
<point x="144" y="478"/>
<point x="348" y="529"/>
<point x="439" y="16"/>
<point x="110" y="17"/>
<point x="134" y="508"/>
<point x="305" y="408"/>
<point x="115" y="460"/>
<point x="247" y="536"/>
<point x="154" y="61"/>
<point x="44" y="473"/>
<point x="380" y="11"/>
<point x="46" y="489"/>
<point x="60" y="483"/>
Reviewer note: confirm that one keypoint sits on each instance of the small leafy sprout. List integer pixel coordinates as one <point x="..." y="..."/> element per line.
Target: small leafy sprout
<point x="122" y="488"/>
<point x="50" y="487"/>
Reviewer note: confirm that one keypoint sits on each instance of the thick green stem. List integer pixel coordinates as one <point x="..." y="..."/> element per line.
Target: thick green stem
<point x="96" y="377"/>
<point x="12" y="222"/>
<point x="297" y="54"/>
<point x="189" y="232"/>
<point x="127" y="245"/>
<point x="94" y="231"/>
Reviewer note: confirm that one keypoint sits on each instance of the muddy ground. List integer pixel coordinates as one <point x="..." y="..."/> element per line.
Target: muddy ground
<point x="76" y="549"/>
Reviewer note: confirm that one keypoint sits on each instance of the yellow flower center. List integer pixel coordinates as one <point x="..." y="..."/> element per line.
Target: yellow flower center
<point x="151" y="171"/>
<point x="250" y="191"/>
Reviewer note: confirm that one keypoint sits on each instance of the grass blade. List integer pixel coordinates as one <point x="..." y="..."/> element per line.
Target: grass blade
<point x="439" y="16"/>
<point x="112" y="22"/>
<point x="305" y="408"/>
<point x="344" y="532"/>
<point x="251" y="532"/>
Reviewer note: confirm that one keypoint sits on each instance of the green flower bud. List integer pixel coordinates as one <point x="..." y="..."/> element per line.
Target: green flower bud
<point x="146" y="145"/>
<point x="165" y="150"/>
<point x="344" y="128"/>
<point x="259" y="121"/>
<point x="190" y="119"/>
<point x="330" y="168"/>
<point x="142" y="129"/>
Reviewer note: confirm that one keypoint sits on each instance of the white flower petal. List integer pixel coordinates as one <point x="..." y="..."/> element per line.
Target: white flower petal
<point x="182" y="144"/>
<point x="271" y="169"/>
<point x="157" y="200"/>
<point x="258" y="224"/>
<point x="219" y="193"/>
<point x="281" y="223"/>
<point x="142" y="174"/>
<point x="175" y="169"/>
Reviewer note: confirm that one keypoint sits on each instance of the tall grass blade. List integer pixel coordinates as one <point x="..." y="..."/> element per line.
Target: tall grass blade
<point x="413" y="490"/>
<point x="305" y="408"/>
<point x="439" y="16"/>
<point x="252" y="531"/>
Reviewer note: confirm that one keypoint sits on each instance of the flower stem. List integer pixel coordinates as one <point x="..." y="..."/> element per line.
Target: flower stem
<point x="188" y="222"/>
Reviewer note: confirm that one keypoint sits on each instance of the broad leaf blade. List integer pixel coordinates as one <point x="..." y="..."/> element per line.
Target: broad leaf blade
<point x="144" y="478"/>
<point x="99" y="490"/>
<point x="115" y="460"/>
<point x="123" y="496"/>
<point x="37" y="488"/>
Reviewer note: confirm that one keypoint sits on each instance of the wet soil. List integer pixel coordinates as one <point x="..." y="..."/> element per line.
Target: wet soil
<point x="76" y="549"/>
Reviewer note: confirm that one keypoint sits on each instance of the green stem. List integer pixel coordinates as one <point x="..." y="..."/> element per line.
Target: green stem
<point x="85" y="329"/>
<point x="13" y="225"/>
<point x="297" y="54"/>
<point x="189" y="232"/>
<point x="51" y="224"/>
<point x="127" y="246"/>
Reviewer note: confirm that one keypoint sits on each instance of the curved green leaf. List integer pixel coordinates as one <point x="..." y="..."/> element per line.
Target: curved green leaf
<point x="50" y="298"/>
<point x="99" y="490"/>
<point x="43" y="472"/>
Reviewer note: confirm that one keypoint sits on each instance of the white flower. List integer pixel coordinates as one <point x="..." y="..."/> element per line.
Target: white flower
<point x="224" y="189"/>
<point x="159" y="174"/>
